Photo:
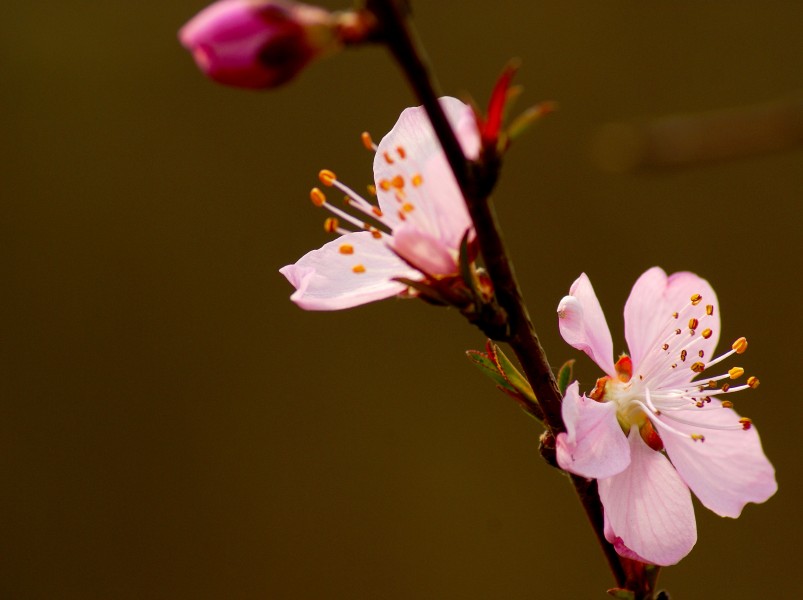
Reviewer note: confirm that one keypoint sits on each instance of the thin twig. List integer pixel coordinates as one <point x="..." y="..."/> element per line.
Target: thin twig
<point x="476" y="181"/>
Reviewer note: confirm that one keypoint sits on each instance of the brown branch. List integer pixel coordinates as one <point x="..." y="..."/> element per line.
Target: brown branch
<point x="476" y="180"/>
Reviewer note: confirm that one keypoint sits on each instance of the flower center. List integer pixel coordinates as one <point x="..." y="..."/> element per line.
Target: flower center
<point x="662" y="391"/>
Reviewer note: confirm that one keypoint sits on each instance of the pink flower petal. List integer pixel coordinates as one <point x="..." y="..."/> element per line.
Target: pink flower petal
<point x="617" y="542"/>
<point x="423" y="251"/>
<point x="649" y="323"/>
<point x="582" y="324"/>
<point x="594" y="445"/>
<point x="649" y="507"/>
<point x="439" y="206"/>
<point x="726" y="470"/>
<point x="325" y="279"/>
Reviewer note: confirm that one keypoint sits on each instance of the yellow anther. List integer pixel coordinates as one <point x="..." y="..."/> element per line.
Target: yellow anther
<point x="665" y="347"/>
<point x="701" y="353"/>
<point x="376" y="210"/>
<point x="417" y="180"/>
<point x="327" y="177"/>
<point x="736" y="372"/>
<point x="740" y="345"/>
<point x="677" y="331"/>
<point x="683" y="354"/>
<point x="317" y="197"/>
<point x="372" y="190"/>
<point x="358" y="269"/>
<point x="727" y="404"/>
<point x="706" y="333"/>
<point x="346" y="249"/>
<point x="698" y="437"/>
<point x="367" y="141"/>
<point x="407" y="207"/>
<point x="330" y="225"/>
<point x="698" y="367"/>
<point x="693" y="323"/>
<point x="674" y="315"/>
<point x="696" y="299"/>
<point x="746" y="423"/>
<point x="726" y="387"/>
<point x="388" y="158"/>
<point x="401" y="151"/>
<point x="709" y="309"/>
<point x="753" y="381"/>
<point x="384" y="185"/>
<point x="398" y="182"/>
<point x="375" y="233"/>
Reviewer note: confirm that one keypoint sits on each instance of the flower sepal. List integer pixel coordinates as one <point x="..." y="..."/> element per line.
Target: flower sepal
<point x="499" y="368"/>
<point x="496" y="138"/>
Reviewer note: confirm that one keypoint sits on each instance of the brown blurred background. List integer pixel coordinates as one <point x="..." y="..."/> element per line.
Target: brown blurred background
<point x="171" y="426"/>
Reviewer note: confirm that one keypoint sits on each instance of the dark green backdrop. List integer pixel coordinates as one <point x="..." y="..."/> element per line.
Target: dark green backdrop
<point x="171" y="426"/>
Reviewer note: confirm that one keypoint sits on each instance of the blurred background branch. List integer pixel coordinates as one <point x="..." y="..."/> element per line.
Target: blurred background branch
<point x="689" y="140"/>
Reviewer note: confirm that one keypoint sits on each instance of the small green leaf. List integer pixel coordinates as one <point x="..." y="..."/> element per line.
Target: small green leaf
<point x="565" y="376"/>
<point x="489" y="368"/>
<point x="514" y="378"/>
<point x="528" y="118"/>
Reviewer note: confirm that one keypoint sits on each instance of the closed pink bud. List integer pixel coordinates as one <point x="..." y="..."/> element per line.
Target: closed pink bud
<point x="258" y="43"/>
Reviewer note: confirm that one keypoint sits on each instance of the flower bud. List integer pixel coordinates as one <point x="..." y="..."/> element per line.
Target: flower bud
<point x="258" y="43"/>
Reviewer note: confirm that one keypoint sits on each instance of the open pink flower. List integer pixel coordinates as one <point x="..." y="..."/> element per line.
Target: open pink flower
<point x="413" y="232"/>
<point x="650" y="402"/>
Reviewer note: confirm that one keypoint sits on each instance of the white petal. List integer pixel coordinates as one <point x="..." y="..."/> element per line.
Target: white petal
<point x="325" y="279"/>
<point x="594" y="444"/>
<point x="728" y="468"/>
<point x="582" y="324"/>
<point x="649" y="507"/>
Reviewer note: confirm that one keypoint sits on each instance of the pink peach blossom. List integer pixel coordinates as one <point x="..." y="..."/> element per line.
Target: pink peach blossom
<point x="651" y="431"/>
<point x="420" y="219"/>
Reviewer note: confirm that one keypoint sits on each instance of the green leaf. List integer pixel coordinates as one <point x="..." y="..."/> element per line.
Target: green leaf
<point x="486" y="364"/>
<point x="513" y="376"/>
<point x="565" y="376"/>
<point x="528" y="118"/>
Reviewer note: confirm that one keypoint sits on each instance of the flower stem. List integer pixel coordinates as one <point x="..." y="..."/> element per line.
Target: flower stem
<point x="476" y="180"/>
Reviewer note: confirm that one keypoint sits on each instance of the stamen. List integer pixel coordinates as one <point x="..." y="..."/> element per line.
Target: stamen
<point x="401" y="152"/>
<point x="697" y="437"/>
<point x="740" y="345"/>
<point x="331" y="225"/>
<point x="753" y="382"/>
<point x="727" y="404"/>
<point x="706" y="333"/>
<point x="317" y="197"/>
<point x="735" y="372"/>
<point x="698" y="367"/>
<point x="388" y="158"/>
<point x="696" y="299"/>
<point x="346" y="249"/>
<point x="327" y="177"/>
<point x="358" y="268"/>
<point x="746" y="423"/>
<point x="709" y="309"/>
<point x="417" y="180"/>
<point x="367" y="141"/>
<point x="683" y="354"/>
<point x="693" y="323"/>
